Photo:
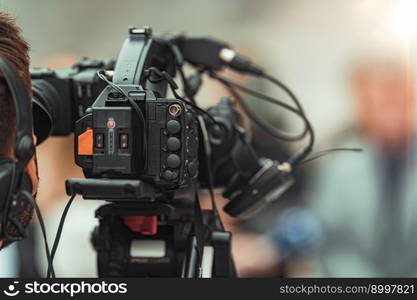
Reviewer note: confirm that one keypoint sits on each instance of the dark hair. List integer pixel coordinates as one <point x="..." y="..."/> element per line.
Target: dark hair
<point x="16" y="50"/>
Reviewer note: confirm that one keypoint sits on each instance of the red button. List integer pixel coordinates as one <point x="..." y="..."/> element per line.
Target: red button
<point x="146" y="225"/>
<point x="111" y="124"/>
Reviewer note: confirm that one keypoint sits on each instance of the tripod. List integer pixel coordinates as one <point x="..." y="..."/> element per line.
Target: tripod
<point x="146" y="234"/>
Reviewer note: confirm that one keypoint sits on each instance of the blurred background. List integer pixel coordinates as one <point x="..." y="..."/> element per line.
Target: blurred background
<point x="351" y="63"/>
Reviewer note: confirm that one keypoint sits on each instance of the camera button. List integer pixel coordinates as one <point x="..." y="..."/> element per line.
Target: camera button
<point x="173" y="144"/>
<point x="173" y="161"/>
<point x="173" y="126"/>
<point x="170" y="175"/>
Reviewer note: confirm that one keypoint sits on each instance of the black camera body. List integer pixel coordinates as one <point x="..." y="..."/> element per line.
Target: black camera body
<point x="149" y="154"/>
<point x="132" y="130"/>
<point x="115" y="143"/>
<point x="162" y="145"/>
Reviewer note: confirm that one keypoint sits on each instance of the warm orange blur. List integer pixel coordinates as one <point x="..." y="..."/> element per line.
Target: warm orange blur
<point x="385" y="101"/>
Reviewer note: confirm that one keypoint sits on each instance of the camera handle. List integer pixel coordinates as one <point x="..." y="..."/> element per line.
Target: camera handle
<point x="139" y="52"/>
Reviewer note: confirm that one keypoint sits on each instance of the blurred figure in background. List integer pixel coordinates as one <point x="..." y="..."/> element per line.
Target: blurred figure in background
<point x="367" y="202"/>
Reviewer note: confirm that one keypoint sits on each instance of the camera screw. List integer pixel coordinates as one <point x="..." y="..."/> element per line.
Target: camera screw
<point x="175" y="110"/>
<point x="109" y="74"/>
<point x="146" y="30"/>
<point x="285" y="167"/>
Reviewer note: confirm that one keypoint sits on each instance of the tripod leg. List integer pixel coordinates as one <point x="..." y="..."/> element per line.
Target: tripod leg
<point x="190" y="269"/>
<point x="190" y="266"/>
<point x="223" y="261"/>
<point x="208" y="262"/>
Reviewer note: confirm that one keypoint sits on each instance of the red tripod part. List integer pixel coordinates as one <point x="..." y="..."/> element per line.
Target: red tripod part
<point x="146" y="225"/>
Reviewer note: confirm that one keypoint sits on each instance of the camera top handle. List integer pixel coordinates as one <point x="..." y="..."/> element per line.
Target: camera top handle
<point x="138" y="53"/>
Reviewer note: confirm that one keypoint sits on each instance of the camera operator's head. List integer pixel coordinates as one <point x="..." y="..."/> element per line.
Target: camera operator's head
<point x="15" y="49"/>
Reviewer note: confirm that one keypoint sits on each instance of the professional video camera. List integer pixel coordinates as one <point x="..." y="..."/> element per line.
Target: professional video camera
<point x="149" y="154"/>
